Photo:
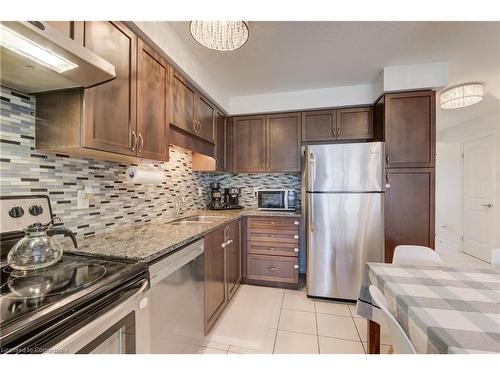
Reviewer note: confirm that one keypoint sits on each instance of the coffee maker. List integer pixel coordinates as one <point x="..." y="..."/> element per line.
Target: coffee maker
<point x="232" y="198"/>
<point x="216" y="202"/>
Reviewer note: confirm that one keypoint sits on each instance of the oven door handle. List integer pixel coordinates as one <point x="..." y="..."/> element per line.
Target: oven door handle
<point x="95" y="328"/>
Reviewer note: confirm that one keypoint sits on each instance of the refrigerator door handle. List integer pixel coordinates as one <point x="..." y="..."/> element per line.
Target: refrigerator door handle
<point x="310" y="214"/>
<point x="311" y="161"/>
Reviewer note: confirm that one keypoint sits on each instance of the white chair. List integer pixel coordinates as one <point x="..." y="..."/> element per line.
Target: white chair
<point x="416" y="255"/>
<point x="495" y="259"/>
<point x="400" y="342"/>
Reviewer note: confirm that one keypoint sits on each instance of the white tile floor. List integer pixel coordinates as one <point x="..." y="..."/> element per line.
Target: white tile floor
<point x="262" y="320"/>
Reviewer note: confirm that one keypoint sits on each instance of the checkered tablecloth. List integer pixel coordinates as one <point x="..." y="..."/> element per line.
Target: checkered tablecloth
<point x="441" y="309"/>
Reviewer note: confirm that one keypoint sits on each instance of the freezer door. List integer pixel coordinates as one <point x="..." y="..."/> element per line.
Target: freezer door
<point x="344" y="231"/>
<point x="353" y="167"/>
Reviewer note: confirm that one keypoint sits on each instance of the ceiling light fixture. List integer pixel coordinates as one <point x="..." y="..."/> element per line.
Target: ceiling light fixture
<point x="220" y="35"/>
<point x="19" y="44"/>
<point x="461" y="95"/>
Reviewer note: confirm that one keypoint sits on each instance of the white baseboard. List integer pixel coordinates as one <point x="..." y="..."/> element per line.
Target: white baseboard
<point x="445" y="245"/>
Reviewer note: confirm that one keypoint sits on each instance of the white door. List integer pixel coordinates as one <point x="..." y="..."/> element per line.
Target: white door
<point x="479" y="205"/>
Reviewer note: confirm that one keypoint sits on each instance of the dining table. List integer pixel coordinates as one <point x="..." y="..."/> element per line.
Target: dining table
<point x="441" y="309"/>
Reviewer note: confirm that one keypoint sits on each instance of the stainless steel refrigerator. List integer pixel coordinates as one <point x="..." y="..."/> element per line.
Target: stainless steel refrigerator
<point x="343" y="215"/>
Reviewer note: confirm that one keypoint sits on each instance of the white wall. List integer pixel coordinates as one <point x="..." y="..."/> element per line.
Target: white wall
<point x="448" y="177"/>
<point x="303" y="99"/>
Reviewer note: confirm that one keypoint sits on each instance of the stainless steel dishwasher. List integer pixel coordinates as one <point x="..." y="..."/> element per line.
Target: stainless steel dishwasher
<point x="177" y="301"/>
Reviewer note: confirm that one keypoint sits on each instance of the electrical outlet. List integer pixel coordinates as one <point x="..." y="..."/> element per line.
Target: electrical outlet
<point x="255" y="190"/>
<point x="82" y="201"/>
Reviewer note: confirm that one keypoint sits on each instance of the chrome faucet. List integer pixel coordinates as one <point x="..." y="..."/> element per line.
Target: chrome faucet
<point x="178" y="205"/>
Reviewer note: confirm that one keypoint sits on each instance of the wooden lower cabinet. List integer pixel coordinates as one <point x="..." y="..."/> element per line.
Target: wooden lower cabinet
<point x="409" y="208"/>
<point x="222" y="270"/>
<point x="272" y="248"/>
<point x="233" y="258"/>
<point x="273" y="268"/>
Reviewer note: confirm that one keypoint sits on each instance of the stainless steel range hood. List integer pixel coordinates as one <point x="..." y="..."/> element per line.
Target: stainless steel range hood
<point x="36" y="57"/>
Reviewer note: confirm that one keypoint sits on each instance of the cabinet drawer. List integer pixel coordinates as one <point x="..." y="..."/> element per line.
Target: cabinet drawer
<point x="274" y="236"/>
<point x="273" y="268"/>
<point x="270" y="248"/>
<point x="274" y="223"/>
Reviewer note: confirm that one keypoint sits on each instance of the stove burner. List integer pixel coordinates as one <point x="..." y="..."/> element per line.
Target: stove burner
<point x="59" y="279"/>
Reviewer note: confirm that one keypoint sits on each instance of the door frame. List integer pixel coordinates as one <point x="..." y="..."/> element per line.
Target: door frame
<point x="496" y="182"/>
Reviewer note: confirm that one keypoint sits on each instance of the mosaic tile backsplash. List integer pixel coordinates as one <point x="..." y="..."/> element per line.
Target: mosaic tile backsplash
<point x="24" y="170"/>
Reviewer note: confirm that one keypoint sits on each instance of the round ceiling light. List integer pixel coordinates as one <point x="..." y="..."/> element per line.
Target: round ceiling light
<point x="461" y="96"/>
<point x="220" y="35"/>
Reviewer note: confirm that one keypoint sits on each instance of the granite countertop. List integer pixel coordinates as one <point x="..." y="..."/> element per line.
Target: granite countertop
<point x="148" y="242"/>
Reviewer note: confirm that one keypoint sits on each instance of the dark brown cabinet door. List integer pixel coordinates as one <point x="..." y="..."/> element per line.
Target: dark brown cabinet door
<point x="319" y="126"/>
<point x="215" y="287"/>
<point x="220" y="142"/>
<point x="283" y="142"/>
<point x="355" y="123"/>
<point x="152" y="104"/>
<point x="249" y="149"/>
<point x="233" y="258"/>
<point x="409" y="209"/>
<point x="182" y="103"/>
<point x="205" y="116"/>
<point x="110" y="108"/>
<point x="410" y="137"/>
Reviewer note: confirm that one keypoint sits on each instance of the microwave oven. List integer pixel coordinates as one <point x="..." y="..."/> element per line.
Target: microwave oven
<point x="277" y="199"/>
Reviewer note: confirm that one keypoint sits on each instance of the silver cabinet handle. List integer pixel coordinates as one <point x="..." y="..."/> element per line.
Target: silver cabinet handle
<point x="141" y="143"/>
<point x="223" y="245"/>
<point x="296" y="266"/>
<point x="489" y="205"/>
<point x="134" y="140"/>
<point x="229" y="242"/>
<point x="272" y="268"/>
<point x="332" y="130"/>
<point x="296" y="237"/>
<point x="296" y="223"/>
<point x="295" y="249"/>
<point x="387" y="158"/>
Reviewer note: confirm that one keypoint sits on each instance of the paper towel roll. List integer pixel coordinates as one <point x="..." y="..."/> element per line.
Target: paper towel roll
<point x="144" y="176"/>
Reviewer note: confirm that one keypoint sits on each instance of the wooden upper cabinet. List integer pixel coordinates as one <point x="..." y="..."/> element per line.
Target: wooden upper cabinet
<point x="110" y="108"/>
<point x="319" y="126"/>
<point x="410" y="129"/>
<point x="283" y="142"/>
<point x="205" y="116"/>
<point x="182" y="103"/>
<point x="152" y="104"/>
<point x="249" y="147"/>
<point x="409" y="208"/>
<point x="220" y="142"/>
<point x="355" y="123"/>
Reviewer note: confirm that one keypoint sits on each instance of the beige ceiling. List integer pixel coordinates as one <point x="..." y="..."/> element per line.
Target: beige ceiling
<point x="290" y="56"/>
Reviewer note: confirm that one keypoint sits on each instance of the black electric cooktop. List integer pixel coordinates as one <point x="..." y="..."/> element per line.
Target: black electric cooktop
<point x="33" y="298"/>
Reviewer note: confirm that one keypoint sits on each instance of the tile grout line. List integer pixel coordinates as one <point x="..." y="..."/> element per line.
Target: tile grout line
<point x="317" y="329"/>
<point x="357" y="330"/>
<point x="278" y="325"/>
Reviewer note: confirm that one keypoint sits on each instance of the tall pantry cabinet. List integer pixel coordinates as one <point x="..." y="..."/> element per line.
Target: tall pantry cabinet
<point x="407" y="123"/>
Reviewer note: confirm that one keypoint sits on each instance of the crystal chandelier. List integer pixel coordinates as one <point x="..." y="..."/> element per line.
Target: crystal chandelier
<point x="220" y="35"/>
<point x="461" y="96"/>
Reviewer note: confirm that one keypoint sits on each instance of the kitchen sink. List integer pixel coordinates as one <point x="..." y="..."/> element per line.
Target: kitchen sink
<point x="200" y="219"/>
